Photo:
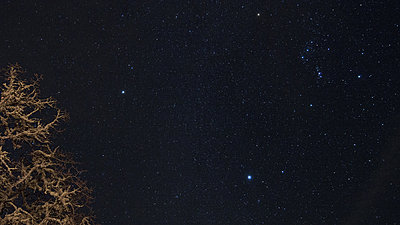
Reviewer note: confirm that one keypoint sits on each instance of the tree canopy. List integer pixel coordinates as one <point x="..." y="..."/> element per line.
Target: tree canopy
<point x="39" y="184"/>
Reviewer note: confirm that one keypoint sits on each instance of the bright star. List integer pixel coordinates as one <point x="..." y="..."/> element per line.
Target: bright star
<point x="249" y="177"/>
<point x="122" y="92"/>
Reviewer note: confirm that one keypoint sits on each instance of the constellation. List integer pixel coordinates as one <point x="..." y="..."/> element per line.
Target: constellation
<point x="313" y="56"/>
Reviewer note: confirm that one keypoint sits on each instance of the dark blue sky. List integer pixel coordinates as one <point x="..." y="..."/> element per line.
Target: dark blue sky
<point x="173" y="104"/>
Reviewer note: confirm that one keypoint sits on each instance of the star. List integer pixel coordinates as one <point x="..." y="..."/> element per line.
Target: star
<point x="123" y="92"/>
<point x="249" y="177"/>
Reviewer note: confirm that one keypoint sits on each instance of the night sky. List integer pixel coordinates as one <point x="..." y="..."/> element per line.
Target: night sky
<point x="222" y="112"/>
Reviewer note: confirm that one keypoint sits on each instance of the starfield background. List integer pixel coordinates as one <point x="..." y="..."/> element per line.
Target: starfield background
<point x="222" y="112"/>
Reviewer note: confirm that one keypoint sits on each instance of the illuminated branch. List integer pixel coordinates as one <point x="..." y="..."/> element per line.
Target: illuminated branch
<point x="43" y="187"/>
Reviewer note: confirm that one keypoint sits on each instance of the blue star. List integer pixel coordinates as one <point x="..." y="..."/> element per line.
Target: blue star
<point x="122" y="92"/>
<point x="359" y="76"/>
<point x="249" y="177"/>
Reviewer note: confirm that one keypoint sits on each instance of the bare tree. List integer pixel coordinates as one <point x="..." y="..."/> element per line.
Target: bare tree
<point x="42" y="186"/>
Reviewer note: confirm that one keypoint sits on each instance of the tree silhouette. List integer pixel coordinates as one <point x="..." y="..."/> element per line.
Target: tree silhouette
<point x="39" y="185"/>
